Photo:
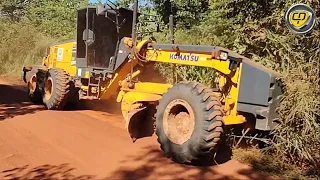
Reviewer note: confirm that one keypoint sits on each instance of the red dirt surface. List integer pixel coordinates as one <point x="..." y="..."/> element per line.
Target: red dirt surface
<point x="86" y="144"/>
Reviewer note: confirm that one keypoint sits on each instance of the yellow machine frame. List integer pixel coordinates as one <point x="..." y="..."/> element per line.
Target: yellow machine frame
<point x="131" y="98"/>
<point x="62" y="56"/>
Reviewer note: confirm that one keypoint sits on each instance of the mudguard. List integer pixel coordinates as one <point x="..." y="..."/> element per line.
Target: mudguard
<point x="26" y="69"/>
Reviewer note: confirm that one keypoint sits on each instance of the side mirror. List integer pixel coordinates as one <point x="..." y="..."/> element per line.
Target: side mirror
<point x="101" y="9"/>
<point x="110" y="12"/>
<point x="105" y="10"/>
<point x="88" y="36"/>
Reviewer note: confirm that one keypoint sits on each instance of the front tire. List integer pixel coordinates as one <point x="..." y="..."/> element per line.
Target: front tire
<point x="34" y="93"/>
<point x="189" y="122"/>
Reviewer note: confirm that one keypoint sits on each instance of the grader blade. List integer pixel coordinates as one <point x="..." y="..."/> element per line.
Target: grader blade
<point x="134" y="121"/>
<point x="139" y="114"/>
<point x="139" y="122"/>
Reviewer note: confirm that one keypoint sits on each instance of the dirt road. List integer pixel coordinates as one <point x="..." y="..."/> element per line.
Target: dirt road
<point x="86" y="144"/>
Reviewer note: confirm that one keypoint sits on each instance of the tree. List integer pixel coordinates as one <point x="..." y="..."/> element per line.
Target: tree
<point x="13" y="9"/>
<point x="55" y="17"/>
<point x="187" y="13"/>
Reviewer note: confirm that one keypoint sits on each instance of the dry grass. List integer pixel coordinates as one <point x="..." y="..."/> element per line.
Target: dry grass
<point x="270" y="164"/>
<point x="21" y="44"/>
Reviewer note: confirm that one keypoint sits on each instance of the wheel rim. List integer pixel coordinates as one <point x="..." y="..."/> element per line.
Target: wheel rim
<point x="32" y="84"/>
<point x="48" y="88"/>
<point x="178" y="121"/>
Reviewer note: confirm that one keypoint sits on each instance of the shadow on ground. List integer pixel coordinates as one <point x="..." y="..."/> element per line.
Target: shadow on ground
<point x="151" y="164"/>
<point x="48" y="172"/>
<point x="14" y="102"/>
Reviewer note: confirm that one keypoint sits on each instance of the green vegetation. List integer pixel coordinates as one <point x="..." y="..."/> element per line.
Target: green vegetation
<point x="255" y="29"/>
<point x="27" y="28"/>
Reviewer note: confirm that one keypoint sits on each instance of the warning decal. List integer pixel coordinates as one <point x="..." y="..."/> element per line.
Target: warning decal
<point x="60" y="54"/>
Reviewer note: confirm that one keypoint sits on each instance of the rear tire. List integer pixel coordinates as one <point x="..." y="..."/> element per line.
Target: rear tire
<point x="34" y="93"/>
<point x="207" y="127"/>
<point x="56" y="89"/>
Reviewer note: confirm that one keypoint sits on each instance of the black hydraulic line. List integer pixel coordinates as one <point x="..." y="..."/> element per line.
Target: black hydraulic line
<point x="134" y="30"/>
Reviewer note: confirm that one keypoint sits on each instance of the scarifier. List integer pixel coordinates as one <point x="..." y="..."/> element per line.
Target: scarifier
<point x="189" y="118"/>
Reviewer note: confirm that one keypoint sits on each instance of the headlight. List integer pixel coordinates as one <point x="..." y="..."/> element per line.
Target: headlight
<point x="223" y="55"/>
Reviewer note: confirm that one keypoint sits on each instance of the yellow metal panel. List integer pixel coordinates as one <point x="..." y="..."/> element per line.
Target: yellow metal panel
<point x="144" y="89"/>
<point x="61" y="56"/>
<point x="113" y="87"/>
<point x="155" y="88"/>
<point x="230" y="80"/>
<point x="234" y="93"/>
<point x="141" y="45"/>
<point x="205" y="60"/>
<point x="232" y="120"/>
<point x="87" y="75"/>
<point x="129" y="100"/>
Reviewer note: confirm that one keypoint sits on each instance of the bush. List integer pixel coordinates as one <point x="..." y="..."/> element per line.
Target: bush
<point x="20" y="44"/>
<point x="27" y="28"/>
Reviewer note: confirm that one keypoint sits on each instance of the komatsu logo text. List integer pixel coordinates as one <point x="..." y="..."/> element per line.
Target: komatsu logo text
<point x="187" y="57"/>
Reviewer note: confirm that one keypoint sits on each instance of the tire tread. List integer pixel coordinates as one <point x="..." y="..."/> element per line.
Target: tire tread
<point x="61" y="92"/>
<point x="212" y="128"/>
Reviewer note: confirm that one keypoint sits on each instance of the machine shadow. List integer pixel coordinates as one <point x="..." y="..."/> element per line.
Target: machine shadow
<point x="149" y="163"/>
<point x="152" y="164"/>
<point x="109" y="106"/>
<point x="48" y="172"/>
<point x="14" y="102"/>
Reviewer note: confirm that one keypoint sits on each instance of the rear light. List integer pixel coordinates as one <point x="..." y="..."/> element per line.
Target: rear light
<point x="221" y="55"/>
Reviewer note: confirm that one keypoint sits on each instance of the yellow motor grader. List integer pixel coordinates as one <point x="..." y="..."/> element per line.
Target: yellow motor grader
<point x="60" y="60"/>
<point x="188" y="117"/>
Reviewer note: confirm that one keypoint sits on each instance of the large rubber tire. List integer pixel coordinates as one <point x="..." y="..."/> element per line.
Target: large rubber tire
<point x="208" y="125"/>
<point x="57" y="99"/>
<point x="34" y="92"/>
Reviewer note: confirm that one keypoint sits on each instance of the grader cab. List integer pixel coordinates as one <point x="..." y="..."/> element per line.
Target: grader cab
<point x="188" y="117"/>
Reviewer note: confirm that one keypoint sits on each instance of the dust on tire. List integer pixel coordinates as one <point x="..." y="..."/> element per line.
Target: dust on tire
<point x="34" y="93"/>
<point x="60" y="89"/>
<point x="208" y="123"/>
